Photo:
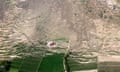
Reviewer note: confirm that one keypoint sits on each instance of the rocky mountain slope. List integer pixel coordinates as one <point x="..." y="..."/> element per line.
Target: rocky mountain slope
<point x="92" y="26"/>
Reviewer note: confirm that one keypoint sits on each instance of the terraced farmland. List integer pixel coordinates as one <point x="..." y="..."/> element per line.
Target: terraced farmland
<point x="53" y="63"/>
<point x="109" y="67"/>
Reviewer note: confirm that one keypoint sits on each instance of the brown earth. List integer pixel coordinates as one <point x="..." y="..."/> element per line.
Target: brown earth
<point x="88" y="24"/>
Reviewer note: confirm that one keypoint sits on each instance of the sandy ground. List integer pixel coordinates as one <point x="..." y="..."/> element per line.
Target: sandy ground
<point x="109" y="58"/>
<point x="87" y="71"/>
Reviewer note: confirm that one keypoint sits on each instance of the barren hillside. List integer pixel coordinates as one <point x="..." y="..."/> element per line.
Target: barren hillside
<point x="92" y="26"/>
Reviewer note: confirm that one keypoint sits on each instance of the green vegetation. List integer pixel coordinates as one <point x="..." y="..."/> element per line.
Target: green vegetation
<point x="78" y="66"/>
<point x="13" y="70"/>
<point x="118" y="1"/>
<point x="101" y="14"/>
<point x="83" y="1"/>
<point x="15" y="65"/>
<point x="50" y="63"/>
<point x="109" y="67"/>
<point x="30" y="64"/>
<point x="109" y="70"/>
<point x="63" y="39"/>
<point x="24" y="50"/>
<point x="53" y="63"/>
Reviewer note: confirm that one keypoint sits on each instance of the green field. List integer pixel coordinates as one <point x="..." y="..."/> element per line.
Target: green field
<point x="50" y="63"/>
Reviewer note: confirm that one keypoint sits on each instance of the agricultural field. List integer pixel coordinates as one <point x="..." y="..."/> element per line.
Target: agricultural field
<point x="109" y="67"/>
<point x="54" y="63"/>
<point x="32" y="64"/>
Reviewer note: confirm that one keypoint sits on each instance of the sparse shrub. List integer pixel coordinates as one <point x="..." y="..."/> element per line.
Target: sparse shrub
<point x="118" y="1"/>
<point x="101" y="14"/>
